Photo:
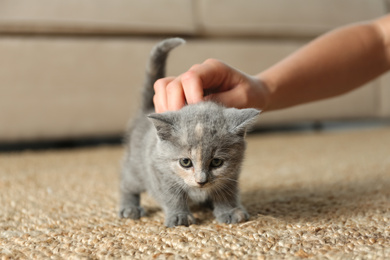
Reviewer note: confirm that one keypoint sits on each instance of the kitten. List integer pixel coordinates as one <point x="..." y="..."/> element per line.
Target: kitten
<point x="194" y="153"/>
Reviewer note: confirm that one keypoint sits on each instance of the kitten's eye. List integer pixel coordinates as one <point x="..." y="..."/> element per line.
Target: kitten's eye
<point x="185" y="162"/>
<point x="216" y="163"/>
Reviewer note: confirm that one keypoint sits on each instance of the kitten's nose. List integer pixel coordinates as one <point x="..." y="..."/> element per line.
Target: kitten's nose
<point x="201" y="178"/>
<point x="201" y="182"/>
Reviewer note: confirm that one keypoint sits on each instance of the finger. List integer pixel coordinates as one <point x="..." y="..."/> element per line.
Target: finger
<point x="160" y="94"/>
<point x="217" y="75"/>
<point x="175" y="95"/>
<point x="192" y="87"/>
<point x="212" y="75"/>
<point x="157" y="106"/>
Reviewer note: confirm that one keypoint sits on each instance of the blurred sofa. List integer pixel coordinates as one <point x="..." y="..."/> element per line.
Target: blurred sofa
<point x="74" y="69"/>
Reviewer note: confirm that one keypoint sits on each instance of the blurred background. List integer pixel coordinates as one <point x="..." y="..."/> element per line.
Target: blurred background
<point x="71" y="71"/>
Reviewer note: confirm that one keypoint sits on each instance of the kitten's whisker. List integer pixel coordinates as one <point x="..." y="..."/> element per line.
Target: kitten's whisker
<point x="228" y="194"/>
<point x="219" y="192"/>
<point x="227" y="178"/>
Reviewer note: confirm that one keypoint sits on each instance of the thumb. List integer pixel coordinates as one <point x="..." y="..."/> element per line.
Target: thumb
<point x="230" y="98"/>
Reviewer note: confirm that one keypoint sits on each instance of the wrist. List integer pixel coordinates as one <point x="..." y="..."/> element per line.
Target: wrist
<point x="262" y="95"/>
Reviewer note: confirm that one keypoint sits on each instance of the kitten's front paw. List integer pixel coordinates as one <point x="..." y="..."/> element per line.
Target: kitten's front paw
<point x="181" y="219"/>
<point x="132" y="212"/>
<point x="233" y="216"/>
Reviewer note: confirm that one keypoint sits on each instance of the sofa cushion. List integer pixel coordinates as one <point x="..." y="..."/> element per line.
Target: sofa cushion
<point x="283" y="17"/>
<point x="383" y="98"/>
<point x="66" y="88"/>
<point x="97" y="16"/>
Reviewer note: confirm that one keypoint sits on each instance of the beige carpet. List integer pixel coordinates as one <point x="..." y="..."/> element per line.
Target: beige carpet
<point x="310" y="195"/>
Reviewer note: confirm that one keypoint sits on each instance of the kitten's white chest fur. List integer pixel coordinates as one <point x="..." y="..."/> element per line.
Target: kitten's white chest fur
<point x="198" y="195"/>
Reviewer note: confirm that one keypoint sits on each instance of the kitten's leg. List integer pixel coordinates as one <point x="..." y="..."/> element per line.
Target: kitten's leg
<point x="229" y="214"/>
<point x="130" y="206"/>
<point x="130" y="190"/>
<point x="227" y="207"/>
<point x="177" y="217"/>
<point x="177" y="212"/>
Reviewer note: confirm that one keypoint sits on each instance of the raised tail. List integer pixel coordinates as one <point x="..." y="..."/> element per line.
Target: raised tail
<point x="155" y="68"/>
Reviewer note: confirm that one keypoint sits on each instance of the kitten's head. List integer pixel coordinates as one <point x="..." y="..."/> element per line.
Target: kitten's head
<point x="203" y="144"/>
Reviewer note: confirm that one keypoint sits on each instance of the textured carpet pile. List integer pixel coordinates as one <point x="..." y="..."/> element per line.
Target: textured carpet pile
<point x="310" y="195"/>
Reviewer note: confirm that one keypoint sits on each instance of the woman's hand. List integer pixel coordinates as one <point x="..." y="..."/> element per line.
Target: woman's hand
<point x="211" y="80"/>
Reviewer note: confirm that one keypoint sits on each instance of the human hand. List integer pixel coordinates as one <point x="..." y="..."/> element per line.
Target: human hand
<point x="211" y="80"/>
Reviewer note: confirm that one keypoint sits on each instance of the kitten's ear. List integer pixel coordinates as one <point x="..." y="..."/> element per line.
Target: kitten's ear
<point x="240" y="119"/>
<point x="164" y="124"/>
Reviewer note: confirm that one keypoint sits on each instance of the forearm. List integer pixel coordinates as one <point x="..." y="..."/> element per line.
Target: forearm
<point x="335" y="63"/>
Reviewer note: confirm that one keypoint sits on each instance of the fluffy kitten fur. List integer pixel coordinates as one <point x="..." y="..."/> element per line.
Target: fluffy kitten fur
<point x="194" y="153"/>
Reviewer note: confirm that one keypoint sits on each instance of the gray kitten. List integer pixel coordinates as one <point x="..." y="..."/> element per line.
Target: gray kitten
<point x="194" y="153"/>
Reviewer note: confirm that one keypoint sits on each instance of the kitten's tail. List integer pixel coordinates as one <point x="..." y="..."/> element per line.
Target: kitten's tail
<point x="156" y="68"/>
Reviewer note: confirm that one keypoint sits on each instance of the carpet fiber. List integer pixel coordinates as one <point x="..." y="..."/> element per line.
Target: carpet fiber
<point x="320" y="195"/>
